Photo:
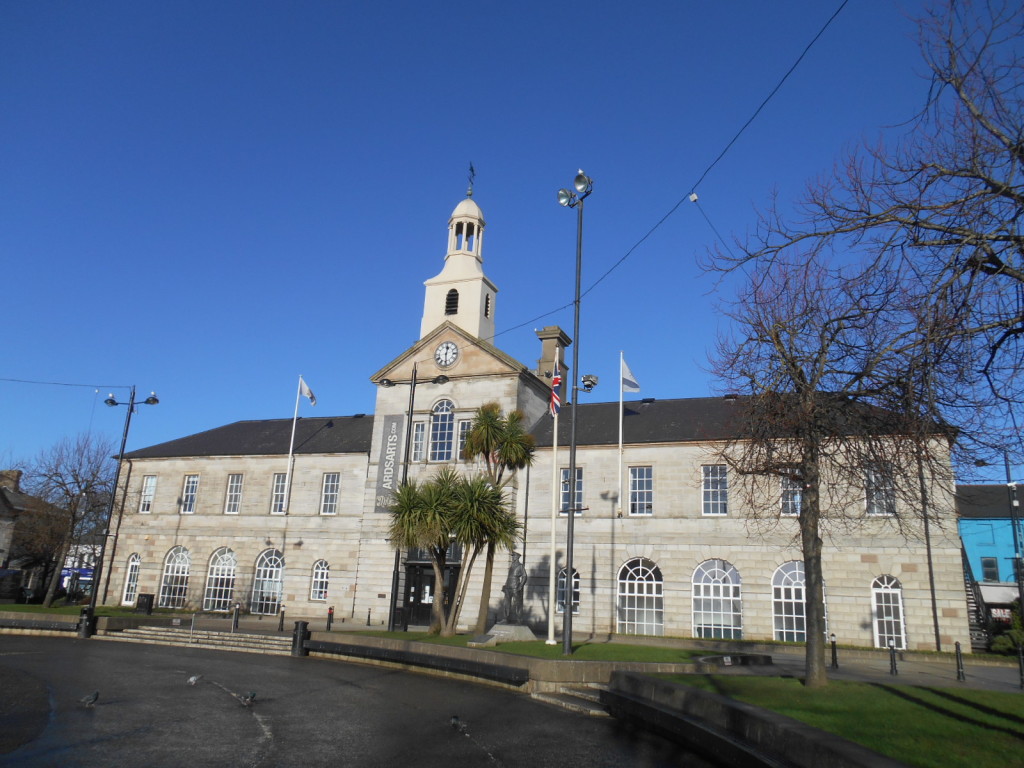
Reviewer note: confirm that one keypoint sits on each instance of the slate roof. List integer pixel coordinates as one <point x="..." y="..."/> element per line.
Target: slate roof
<point x="333" y="434"/>
<point x="983" y="501"/>
<point x="685" y="420"/>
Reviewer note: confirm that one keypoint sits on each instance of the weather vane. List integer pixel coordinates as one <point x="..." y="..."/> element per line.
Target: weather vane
<point x="472" y="176"/>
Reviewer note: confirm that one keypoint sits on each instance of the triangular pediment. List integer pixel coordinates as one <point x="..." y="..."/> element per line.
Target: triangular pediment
<point x="475" y="357"/>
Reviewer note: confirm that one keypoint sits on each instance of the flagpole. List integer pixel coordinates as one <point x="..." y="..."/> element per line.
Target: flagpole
<point x="552" y="575"/>
<point x="291" y="450"/>
<point x="620" y="433"/>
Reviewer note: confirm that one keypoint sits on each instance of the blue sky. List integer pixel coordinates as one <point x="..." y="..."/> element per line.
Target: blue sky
<point x="208" y="199"/>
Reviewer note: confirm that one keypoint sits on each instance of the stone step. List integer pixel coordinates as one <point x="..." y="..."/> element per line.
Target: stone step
<point x="237" y="641"/>
<point x="265" y="650"/>
<point x="183" y="633"/>
<point x="586" y="692"/>
<point x="571" y="702"/>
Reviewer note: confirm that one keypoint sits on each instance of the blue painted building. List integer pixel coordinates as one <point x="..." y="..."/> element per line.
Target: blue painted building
<point x="986" y="530"/>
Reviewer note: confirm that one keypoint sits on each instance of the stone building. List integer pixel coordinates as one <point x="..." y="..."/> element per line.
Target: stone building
<point x="211" y="520"/>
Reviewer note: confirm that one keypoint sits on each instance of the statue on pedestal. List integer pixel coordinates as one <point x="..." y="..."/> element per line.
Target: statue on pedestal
<point x="512" y="602"/>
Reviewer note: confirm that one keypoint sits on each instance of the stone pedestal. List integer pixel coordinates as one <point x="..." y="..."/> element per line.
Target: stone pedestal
<point x="507" y="633"/>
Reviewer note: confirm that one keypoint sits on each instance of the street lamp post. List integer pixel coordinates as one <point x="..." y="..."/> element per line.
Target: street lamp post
<point x="85" y="627"/>
<point x="442" y="379"/>
<point x="1011" y="490"/>
<point x="583" y="185"/>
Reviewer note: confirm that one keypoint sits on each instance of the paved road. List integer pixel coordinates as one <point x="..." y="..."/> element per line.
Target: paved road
<point x="308" y="712"/>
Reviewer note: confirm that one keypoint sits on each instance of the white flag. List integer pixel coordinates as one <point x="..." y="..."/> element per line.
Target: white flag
<point x="629" y="382"/>
<point x="305" y="391"/>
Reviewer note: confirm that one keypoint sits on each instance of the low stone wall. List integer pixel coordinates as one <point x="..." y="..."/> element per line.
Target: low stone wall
<point x="725" y="728"/>
<point x="545" y="674"/>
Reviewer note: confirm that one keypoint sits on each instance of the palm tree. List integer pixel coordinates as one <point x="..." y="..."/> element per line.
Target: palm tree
<point x="420" y="517"/>
<point x="450" y="508"/>
<point x="504" y="445"/>
<point x="482" y="519"/>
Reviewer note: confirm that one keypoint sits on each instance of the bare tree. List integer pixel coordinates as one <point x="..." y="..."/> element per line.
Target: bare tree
<point x="942" y="205"/>
<point x="820" y="355"/>
<point x="75" y="476"/>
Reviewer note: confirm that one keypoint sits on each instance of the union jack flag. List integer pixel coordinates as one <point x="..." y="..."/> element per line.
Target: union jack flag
<point x="556" y="386"/>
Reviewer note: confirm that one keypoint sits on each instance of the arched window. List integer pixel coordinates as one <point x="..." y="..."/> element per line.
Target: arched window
<point x="451" y="302"/>
<point x="717" y="602"/>
<point x="560" y="592"/>
<point x="220" y="581"/>
<point x="788" y="601"/>
<point x="320" y="580"/>
<point x="131" y="580"/>
<point x="442" y="431"/>
<point x="268" y="583"/>
<point x="887" y="595"/>
<point x="174" y="585"/>
<point x="641" y="604"/>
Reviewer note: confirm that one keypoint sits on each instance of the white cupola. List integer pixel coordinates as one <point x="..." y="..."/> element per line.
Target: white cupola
<point x="461" y="293"/>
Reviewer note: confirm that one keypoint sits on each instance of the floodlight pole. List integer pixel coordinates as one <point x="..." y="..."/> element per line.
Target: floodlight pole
<point x="584" y="186"/>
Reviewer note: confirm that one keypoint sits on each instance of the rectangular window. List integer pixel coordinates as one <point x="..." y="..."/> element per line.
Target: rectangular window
<point x="716" y="489"/>
<point x="189" y="492"/>
<point x="419" y="433"/>
<point x="641" y="490"/>
<point x="277" y="495"/>
<point x="578" y="503"/>
<point x="879" y="491"/>
<point x="329" y="497"/>
<point x="233" y="497"/>
<point x="464" y="426"/>
<point x="148" y="492"/>
<point x="792" y="497"/>
<point x="990" y="569"/>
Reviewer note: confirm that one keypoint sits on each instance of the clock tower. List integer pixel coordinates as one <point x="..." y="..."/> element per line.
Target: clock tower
<point x="461" y="294"/>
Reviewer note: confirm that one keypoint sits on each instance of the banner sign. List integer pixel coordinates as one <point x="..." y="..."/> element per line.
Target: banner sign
<point x="388" y="474"/>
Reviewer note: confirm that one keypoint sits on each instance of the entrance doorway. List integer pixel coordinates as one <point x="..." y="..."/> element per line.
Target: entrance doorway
<point x="421" y="592"/>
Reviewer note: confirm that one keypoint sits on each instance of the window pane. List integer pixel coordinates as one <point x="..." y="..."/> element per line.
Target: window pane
<point x="233" y="498"/>
<point x="188" y="494"/>
<point x="792" y="497"/>
<point x="277" y="495"/>
<point x="715" y="489"/>
<point x="419" y="431"/>
<point x="329" y="497"/>
<point x="148" y="492"/>
<point x="578" y="503"/>
<point x="641" y="490"/>
<point x="442" y="431"/>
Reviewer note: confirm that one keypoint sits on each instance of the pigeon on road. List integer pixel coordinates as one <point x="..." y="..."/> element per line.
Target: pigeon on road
<point x="194" y="679"/>
<point x="248" y="699"/>
<point x="88" y="701"/>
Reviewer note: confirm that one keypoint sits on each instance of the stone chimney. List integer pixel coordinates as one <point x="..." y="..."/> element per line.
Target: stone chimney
<point x="552" y="337"/>
<point x="11" y="479"/>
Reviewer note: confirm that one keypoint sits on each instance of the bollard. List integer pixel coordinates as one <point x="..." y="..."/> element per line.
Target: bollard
<point x="280" y="620"/>
<point x="234" y="617"/>
<point x="1020" y="664"/>
<point x="299" y="637"/>
<point x="367" y="617"/>
<point x="835" y="658"/>
<point x="192" y="630"/>
<point x="960" y="676"/>
<point x="892" y="658"/>
<point x="85" y="623"/>
<point x="330" y="617"/>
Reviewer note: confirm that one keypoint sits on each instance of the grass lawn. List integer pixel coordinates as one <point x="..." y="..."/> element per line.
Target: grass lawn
<point x="932" y="727"/>
<point x="581" y="651"/>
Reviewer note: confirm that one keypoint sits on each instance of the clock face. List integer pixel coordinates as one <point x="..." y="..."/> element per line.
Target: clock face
<point x="446" y="354"/>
